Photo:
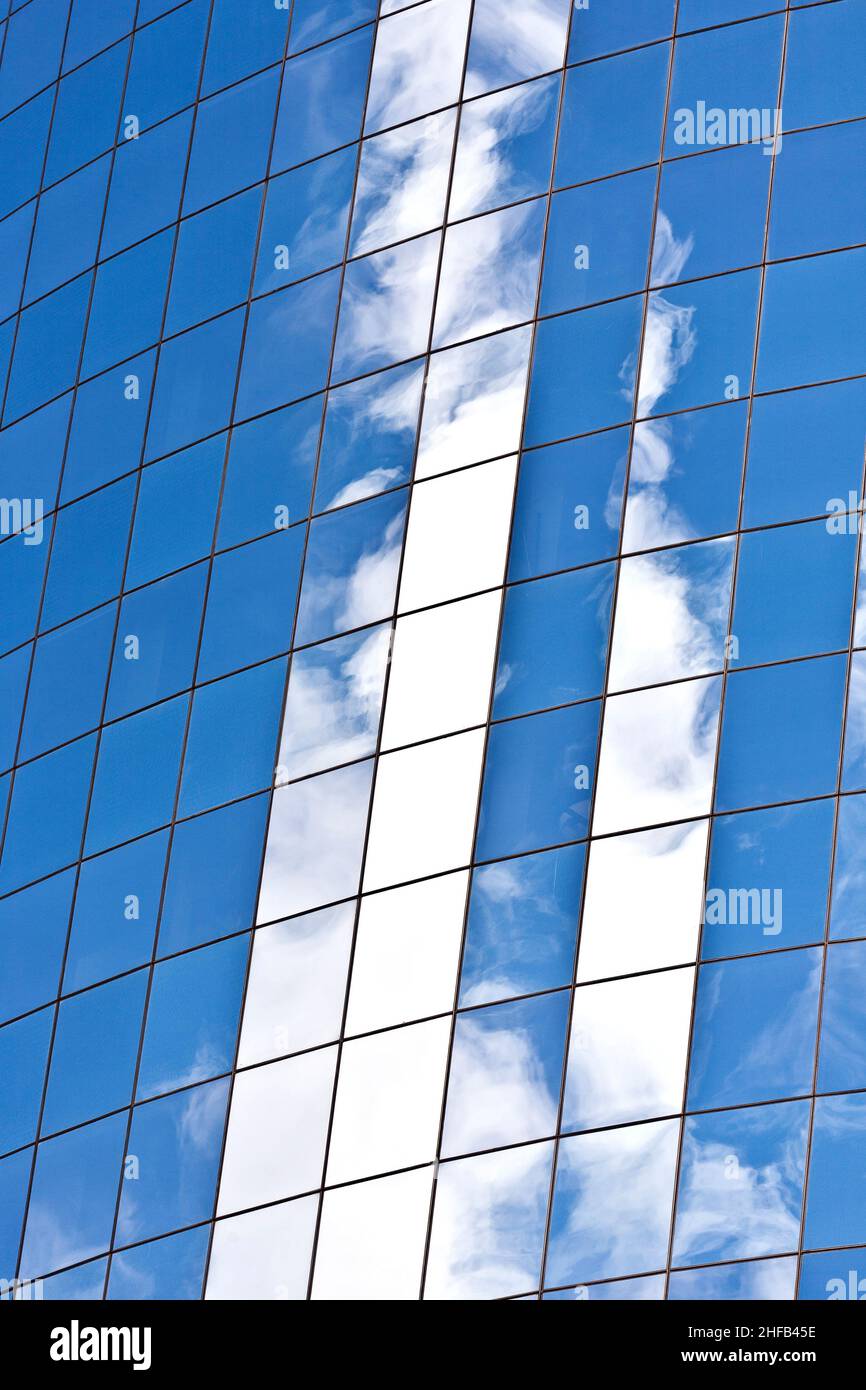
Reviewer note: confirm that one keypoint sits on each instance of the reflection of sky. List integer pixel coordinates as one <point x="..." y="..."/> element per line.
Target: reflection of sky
<point x="741" y="1183"/>
<point x="657" y="755"/>
<point x="488" y="1224"/>
<point x="644" y="901"/>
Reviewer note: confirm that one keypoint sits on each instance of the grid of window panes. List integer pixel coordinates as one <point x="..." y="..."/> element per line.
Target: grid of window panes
<point x="432" y="703"/>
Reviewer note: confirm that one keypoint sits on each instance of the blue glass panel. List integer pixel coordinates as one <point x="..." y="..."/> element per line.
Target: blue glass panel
<point x="315" y="20"/>
<point x="146" y="183"/>
<point x="847" y="916"/>
<point x="22" y="564"/>
<point x="251" y="603"/>
<point x="306" y="216"/>
<point x="87" y="113"/>
<point x="780" y="735"/>
<point x="73" y="659"/>
<point x="35" y="844"/>
<point x="85" y="1282"/>
<point x="14" y="244"/>
<point x="67" y="229"/>
<point x="720" y="76"/>
<point x="47" y="348"/>
<point x="795" y="585"/>
<point x="163" y="1269"/>
<point x="813" y="311"/>
<point x="73" y="1198"/>
<point x="506" y="146"/>
<point x="369" y="440"/>
<point x="232" y="738"/>
<point x="842" y="1059"/>
<point x="23" y="1055"/>
<point x="554" y="641"/>
<point x="231" y="141"/>
<point x="177" y="1143"/>
<point x="584" y="366"/>
<point x="136" y="777"/>
<point x="823" y="74"/>
<point x="93" y="25"/>
<point x="288" y="345"/>
<point x="805" y="453"/>
<point x="88" y="553"/>
<point x="685" y="477"/>
<point x="14" y="671"/>
<point x="741" y="1183"/>
<point x="383" y="307"/>
<point x="307" y="126"/>
<point x="819" y="191"/>
<point x="569" y="502"/>
<point x="157" y="636"/>
<point x="14" y="1181"/>
<point x="31" y="454"/>
<point x="213" y="877"/>
<point x="523" y="917"/>
<point x="754" y="1029"/>
<point x="270" y="472"/>
<point x="836" y="1206"/>
<point x="784" y="856"/>
<point x="490" y="1100"/>
<point x="833" y="1275"/>
<point x="31" y="56"/>
<point x="108" y="427"/>
<point x="194" y="384"/>
<point x="166" y="63"/>
<point x="33" y="928"/>
<point x="590" y="144"/>
<point x="598" y="241"/>
<point x="752" y="1281"/>
<point x="538" y="781"/>
<point x="712" y="213"/>
<point x="174" y="519"/>
<point x="139" y="280"/>
<point x="213" y="261"/>
<point x="22" y="147"/>
<point x="116" y="908"/>
<point x="699" y="343"/>
<point x="94" y="1054"/>
<point x="600" y="29"/>
<point x="242" y="39"/>
<point x="183" y="1045"/>
<point x="362" y="540"/>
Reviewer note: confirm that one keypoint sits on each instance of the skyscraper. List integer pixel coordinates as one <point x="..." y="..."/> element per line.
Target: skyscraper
<point x="432" y="684"/>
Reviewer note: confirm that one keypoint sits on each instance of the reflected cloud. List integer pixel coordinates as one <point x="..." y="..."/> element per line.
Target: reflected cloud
<point x="315" y="841"/>
<point x="489" y="273"/>
<point x="511" y="42"/>
<point x="657" y="755"/>
<point x="417" y="62"/>
<point x="473" y="408"/>
<point x="334" y="703"/>
<point x="402" y="182"/>
<point x="612" y="1204"/>
<point x="488" y="1225"/>
<point x="671" y="615"/>
<point x="644" y="901"/>
<point x="628" y="1049"/>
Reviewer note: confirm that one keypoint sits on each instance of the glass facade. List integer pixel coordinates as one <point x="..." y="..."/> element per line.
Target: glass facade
<point x="432" y="676"/>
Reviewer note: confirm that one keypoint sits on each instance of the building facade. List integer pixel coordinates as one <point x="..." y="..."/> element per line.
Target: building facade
<point x="433" y="689"/>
